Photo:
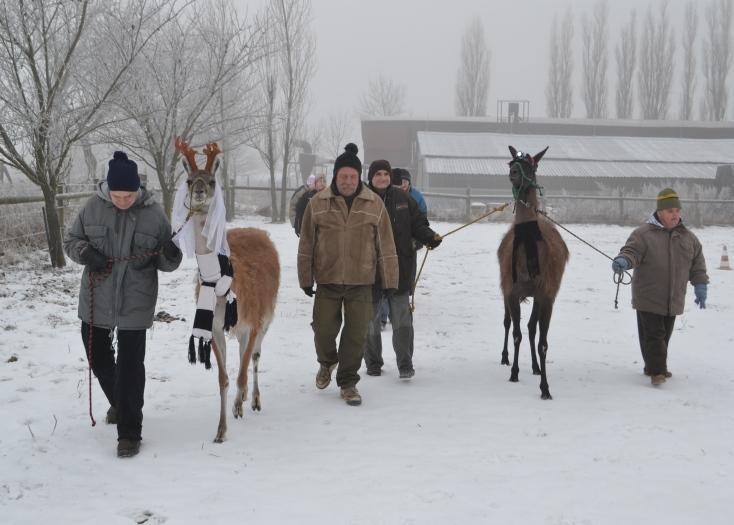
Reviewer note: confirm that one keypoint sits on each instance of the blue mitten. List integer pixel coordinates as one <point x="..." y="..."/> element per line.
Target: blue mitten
<point x="621" y="264"/>
<point x="700" y="290"/>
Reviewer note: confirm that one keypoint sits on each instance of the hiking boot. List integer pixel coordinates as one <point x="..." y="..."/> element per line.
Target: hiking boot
<point x="351" y="396"/>
<point x="657" y="379"/>
<point x="667" y="374"/>
<point x="374" y="371"/>
<point x="323" y="376"/>
<point x="407" y="373"/>
<point x="111" y="417"/>
<point x="127" y="448"/>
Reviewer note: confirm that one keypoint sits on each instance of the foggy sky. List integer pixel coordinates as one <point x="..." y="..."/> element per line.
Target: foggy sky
<point x="417" y="43"/>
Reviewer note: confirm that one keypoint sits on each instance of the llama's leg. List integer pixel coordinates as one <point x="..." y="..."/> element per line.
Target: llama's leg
<point x="545" y="313"/>
<point x="507" y="323"/>
<point x="220" y="354"/>
<point x="513" y="304"/>
<point x="255" y="365"/>
<point x="532" y="325"/>
<point x="246" y="348"/>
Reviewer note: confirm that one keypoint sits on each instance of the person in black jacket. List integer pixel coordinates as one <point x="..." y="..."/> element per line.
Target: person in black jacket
<point x="315" y="184"/>
<point x="408" y="223"/>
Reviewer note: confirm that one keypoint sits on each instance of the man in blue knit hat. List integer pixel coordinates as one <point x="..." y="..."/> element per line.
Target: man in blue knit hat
<point x="122" y="237"/>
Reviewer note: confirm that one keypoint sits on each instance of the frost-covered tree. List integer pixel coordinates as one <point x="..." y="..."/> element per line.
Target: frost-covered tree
<point x="717" y="58"/>
<point x="61" y="66"/>
<point x="472" y="81"/>
<point x="384" y="98"/>
<point x="594" y="37"/>
<point x="688" y="40"/>
<point x="625" y="54"/>
<point x="559" y="90"/>
<point x="655" y="74"/>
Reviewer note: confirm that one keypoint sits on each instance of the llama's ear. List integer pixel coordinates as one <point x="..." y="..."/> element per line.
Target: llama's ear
<point x="513" y="151"/>
<point x="539" y="155"/>
<point x="215" y="166"/>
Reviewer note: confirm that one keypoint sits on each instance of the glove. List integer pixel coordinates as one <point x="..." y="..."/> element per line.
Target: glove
<point x="95" y="260"/>
<point x="435" y="242"/>
<point x="700" y="290"/>
<point x="621" y="264"/>
<point x="308" y="290"/>
<point x="170" y="250"/>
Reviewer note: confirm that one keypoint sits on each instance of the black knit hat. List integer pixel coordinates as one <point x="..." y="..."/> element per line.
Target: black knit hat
<point x="378" y="165"/>
<point x="122" y="173"/>
<point x="404" y="175"/>
<point x="348" y="159"/>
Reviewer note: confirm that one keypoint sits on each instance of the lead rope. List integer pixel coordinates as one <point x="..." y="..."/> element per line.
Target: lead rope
<point x="98" y="277"/>
<point x="425" y="256"/>
<point x="618" y="278"/>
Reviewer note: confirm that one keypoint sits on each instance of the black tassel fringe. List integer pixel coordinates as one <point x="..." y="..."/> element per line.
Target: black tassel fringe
<point x="208" y="355"/>
<point x="192" y="351"/>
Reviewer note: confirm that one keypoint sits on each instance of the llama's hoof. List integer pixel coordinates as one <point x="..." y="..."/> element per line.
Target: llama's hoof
<point x="256" y="403"/>
<point x="505" y="361"/>
<point x="221" y="436"/>
<point x="513" y="378"/>
<point x="237" y="411"/>
<point x="546" y="395"/>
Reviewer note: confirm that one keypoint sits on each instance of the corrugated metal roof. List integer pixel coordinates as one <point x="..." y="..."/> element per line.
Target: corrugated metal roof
<point x="570" y="168"/>
<point x="562" y="147"/>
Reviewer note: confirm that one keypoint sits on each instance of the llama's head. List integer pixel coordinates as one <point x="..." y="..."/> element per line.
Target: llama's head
<point x="523" y="169"/>
<point x="201" y="182"/>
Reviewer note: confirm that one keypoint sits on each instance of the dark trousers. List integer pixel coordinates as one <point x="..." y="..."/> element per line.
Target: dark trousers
<point x="654" y="331"/>
<point x="401" y="319"/>
<point x="123" y="382"/>
<point x="356" y="304"/>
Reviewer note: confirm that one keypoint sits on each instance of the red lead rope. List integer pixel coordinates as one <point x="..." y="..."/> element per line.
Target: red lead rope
<point x="96" y="278"/>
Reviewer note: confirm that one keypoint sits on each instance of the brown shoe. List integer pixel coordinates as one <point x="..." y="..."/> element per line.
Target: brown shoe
<point x="667" y="374"/>
<point x="323" y="376"/>
<point x="657" y="379"/>
<point x="127" y="448"/>
<point x="351" y="396"/>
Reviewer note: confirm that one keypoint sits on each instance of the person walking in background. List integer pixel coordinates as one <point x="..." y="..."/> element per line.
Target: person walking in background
<point x="402" y="178"/>
<point x="665" y="255"/>
<point x="346" y="247"/>
<point x="408" y="224"/>
<point x="318" y="183"/>
<point x="296" y="197"/>
<point x="121" y="221"/>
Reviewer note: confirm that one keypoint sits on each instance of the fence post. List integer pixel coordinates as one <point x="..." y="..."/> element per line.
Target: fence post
<point x="60" y="207"/>
<point x="697" y="211"/>
<point x="621" y="207"/>
<point x="468" y="204"/>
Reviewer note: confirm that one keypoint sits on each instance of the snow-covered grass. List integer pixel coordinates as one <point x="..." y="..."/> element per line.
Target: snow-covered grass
<point x="456" y="444"/>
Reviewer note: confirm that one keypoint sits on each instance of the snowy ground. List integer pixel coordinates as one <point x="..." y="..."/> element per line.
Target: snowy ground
<point x="457" y="444"/>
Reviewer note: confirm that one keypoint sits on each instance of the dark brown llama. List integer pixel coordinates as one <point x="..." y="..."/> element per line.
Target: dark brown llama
<point x="256" y="279"/>
<point x="532" y="257"/>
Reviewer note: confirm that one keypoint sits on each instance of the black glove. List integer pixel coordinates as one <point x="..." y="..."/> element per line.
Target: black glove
<point x="308" y="290"/>
<point x="435" y="242"/>
<point x="93" y="258"/>
<point x="170" y="250"/>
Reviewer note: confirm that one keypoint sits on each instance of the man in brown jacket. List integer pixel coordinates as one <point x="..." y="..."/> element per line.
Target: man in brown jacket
<point x="346" y="246"/>
<point x="665" y="256"/>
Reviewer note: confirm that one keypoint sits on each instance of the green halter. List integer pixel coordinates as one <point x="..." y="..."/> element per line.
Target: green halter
<point x="525" y="184"/>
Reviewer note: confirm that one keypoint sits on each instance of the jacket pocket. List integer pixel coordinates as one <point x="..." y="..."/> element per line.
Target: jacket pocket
<point x="143" y="244"/>
<point x="97" y="237"/>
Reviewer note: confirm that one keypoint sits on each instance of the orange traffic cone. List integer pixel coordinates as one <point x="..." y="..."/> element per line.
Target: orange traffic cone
<point x="724" y="265"/>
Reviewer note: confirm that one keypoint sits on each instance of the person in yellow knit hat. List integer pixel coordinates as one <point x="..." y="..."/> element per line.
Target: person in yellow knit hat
<point x="665" y="256"/>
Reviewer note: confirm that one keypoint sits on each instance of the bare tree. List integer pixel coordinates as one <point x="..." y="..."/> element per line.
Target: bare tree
<point x="594" y="36"/>
<point x="472" y="81"/>
<point x="625" y="54"/>
<point x="337" y="130"/>
<point x="296" y="50"/>
<point x="179" y="89"/>
<point x="655" y="76"/>
<point x="688" y="89"/>
<point x="717" y="58"/>
<point x="559" y="91"/>
<point x="384" y="98"/>
<point x="61" y="63"/>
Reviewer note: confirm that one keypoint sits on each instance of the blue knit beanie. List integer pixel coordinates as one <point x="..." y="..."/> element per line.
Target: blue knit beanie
<point x="122" y="174"/>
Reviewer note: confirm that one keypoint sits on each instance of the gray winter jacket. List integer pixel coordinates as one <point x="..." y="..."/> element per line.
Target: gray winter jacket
<point x="664" y="262"/>
<point x="126" y="298"/>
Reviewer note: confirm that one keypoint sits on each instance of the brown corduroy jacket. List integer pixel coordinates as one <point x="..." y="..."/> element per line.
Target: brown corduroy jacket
<point x="343" y="246"/>
<point x="665" y="261"/>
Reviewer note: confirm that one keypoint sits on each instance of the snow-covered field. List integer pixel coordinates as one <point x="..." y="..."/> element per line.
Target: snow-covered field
<point x="457" y="444"/>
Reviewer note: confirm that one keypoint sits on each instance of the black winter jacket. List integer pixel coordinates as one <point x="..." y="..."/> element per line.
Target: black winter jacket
<point x="408" y="223"/>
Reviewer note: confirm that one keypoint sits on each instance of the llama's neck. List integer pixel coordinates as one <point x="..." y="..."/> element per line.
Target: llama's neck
<point x="198" y="220"/>
<point x="525" y="212"/>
